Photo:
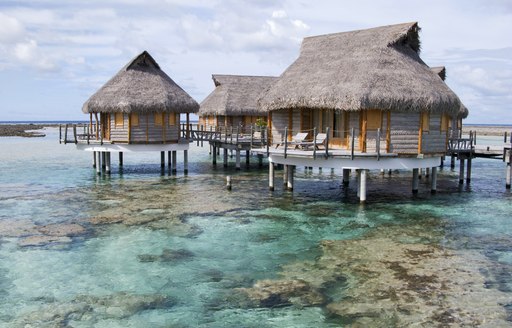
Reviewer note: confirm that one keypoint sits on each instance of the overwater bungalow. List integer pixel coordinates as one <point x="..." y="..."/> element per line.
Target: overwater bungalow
<point x="137" y="110"/>
<point x="361" y="100"/>
<point x="232" y="111"/>
<point x="233" y="102"/>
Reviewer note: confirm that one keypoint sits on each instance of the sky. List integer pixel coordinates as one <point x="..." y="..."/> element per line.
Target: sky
<point x="55" y="54"/>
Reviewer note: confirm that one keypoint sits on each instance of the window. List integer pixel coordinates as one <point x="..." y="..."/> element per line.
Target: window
<point x="373" y="119"/>
<point x="425" y="121"/>
<point x="134" y="119"/>
<point x="172" y="118"/>
<point x="159" y="119"/>
<point x="445" y="122"/>
<point x="119" y="119"/>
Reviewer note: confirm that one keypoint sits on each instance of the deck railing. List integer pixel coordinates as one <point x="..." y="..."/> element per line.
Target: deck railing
<point x="75" y="133"/>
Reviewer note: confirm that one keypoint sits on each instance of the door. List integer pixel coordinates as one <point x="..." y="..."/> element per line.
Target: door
<point x="339" y="129"/>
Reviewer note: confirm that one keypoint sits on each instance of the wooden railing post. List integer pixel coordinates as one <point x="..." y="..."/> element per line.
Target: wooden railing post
<point x="327" y="142"/>
<point x="251" y="135"/>
<point x="267" y="135"/>
<point x="314" y="143"/>
<point x="88" y="134"/>
<point x="285" y="140"/>
<point x="352" y="141"/>
<point x="377" y="146"/>
<point x="60" y="133"/>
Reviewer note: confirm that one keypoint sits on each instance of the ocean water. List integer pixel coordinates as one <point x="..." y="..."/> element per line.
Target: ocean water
<point x="144" y="248"/>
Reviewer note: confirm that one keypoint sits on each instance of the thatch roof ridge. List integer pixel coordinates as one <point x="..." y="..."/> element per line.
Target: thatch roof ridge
<point x="235" y="95"/>
<point x="363" y="69"/>
<point x="141" y="87"/>
<point x="440" y="70"/>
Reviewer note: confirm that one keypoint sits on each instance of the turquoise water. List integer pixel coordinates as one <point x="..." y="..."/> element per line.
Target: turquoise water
<point x="143" y="248"/>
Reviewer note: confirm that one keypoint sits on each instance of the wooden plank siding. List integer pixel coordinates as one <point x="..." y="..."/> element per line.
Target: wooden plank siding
<point x="433" y="141"/>
<point x="279" y="122"/>
<point x="145" y="131"/>
<point x="404" y="134"/>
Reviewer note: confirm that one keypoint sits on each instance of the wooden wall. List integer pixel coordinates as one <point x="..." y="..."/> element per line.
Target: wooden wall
<point x="279" y="122"/>
<point x="434" y="140"/>
<point x="146" y="131"/>
<point x="404" y="133"/>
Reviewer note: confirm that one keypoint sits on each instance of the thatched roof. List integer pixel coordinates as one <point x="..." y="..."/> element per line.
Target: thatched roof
<point x="235" y="95"/>
<point x="377" y="68"/>
<point x="141" y="87"/>
<point x="440" y="71"/>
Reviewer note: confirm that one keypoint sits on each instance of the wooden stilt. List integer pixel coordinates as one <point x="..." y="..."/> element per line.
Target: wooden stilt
<point x="468" y="170"/>
<point x="285" y="176"/>
<point x="98" y="162"/>
<point x="427" y="172"/>
<point x="461" y="170"/>
<point x="247" y="157"/>
<point x="174" y="167"/>
<point x="415" y="181"/>
<point x="214" y="155"/>
<point x="358" y="175"/>
<point x="225" y="157"/>
<point x="508" y="176"/>
<point x="237" y="156"/>
<point x="107" y="162"/>
<point x="162" y="159"/>
<point x="120" y="158"/>
<point x="290" y="177"/>
<point x="103" y="162"/>
<point x="228" y="182"/>
<point x="185" y="161"/>
<point x="442" y="161"/>
<point x="433" y="181"/>
<point x="94" y="159"/>
<point x="362" y="188"/>
<point x="260" y="160"/>
<point x="346" y="176"/>
<point x="169" y="159"/>
<point x="452" y="162"/>
<point x="271" y="176"/>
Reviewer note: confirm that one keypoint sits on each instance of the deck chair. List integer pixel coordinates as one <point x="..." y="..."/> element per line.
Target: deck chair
<point x="297" y="140"/>
<point x="319" y="142"/>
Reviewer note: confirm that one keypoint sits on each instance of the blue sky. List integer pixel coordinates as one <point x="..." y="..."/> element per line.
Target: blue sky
<point x="55" y="54"/>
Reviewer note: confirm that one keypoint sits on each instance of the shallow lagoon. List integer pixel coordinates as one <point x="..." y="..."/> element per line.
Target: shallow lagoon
<point x="142" y="248"/>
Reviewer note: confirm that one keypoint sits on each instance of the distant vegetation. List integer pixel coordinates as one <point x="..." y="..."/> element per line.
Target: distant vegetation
<point x="21" y="130"/>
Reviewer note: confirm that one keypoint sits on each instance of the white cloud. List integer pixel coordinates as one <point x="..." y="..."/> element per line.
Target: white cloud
<point x="11" y="30"/>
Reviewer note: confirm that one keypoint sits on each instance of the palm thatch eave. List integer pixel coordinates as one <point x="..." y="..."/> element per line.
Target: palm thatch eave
<point x="141" y="87"/>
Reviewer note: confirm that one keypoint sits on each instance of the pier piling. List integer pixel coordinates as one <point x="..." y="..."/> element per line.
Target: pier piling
<point x="433" y="182"/>
<point x="461" y="171"/>
<point x="362" y="188"/>
<point x="271" y="176"/>
<point x="346" y="176"/>
<point x="415" y="181"/>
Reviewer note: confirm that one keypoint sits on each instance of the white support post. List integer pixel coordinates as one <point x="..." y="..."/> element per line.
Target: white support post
<point x="185" y="161"/>
<point x="358" y="174"/>
<point x="237" y="159"/>
<point x="415" y="181"/>
<point x="98" y="162"/>
<point x="433" y="181"/>
<point x="271" y="176"/>
<point x="290" y="177"/>
<point x="362" y="188"/>
<point x="107" y="162"/>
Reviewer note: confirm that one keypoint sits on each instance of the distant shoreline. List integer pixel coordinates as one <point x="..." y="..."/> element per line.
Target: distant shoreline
<point x="486" y="130"/>
<point x="21" y="130"/>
